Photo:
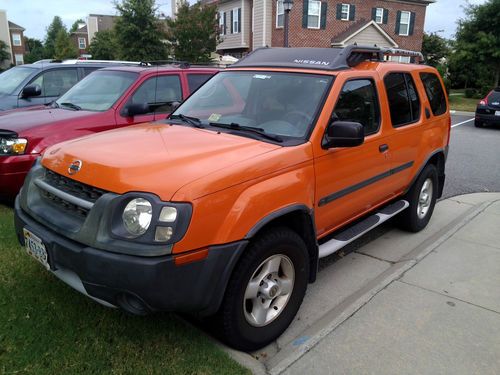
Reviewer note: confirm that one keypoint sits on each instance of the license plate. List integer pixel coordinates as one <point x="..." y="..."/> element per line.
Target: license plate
<point x="36" y="248"/>
<point x="497" y="113"/>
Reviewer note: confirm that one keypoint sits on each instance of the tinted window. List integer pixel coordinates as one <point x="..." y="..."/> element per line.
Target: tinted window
<point x="403" y="99"/>
<point x="434" y="92"/>
<point x="12" y="78"/>
<point x="494" y="96"/>
<point x="56" y="82"/>
<point x="196" y="80"/>
<point x="89" y="69"/>
<point x="358" y="103"/>
<point x="159" y="93"/>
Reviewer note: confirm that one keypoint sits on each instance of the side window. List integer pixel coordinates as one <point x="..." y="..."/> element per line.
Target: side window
<point x="87" y="70"/>
<point x="196" y="80"/>
<point x="56" y="82"/>
<point x="159" y="92"/>
<point x="434" y="92"/>
<point x="403" y="99"/>
<point x="358" y="102"/>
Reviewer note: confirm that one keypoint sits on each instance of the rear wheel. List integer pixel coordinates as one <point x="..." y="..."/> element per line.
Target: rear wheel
<point x="422" y="198"/>
<point x="478" y="124"/>
<point x="266" y="290"/>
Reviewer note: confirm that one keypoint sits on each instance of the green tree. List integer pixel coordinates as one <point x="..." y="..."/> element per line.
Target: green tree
<point x="435" y="49"/>
<point x="50" y="39"/>
<point x="104" y="46"/>
<point x="64" y="47"/>
<point x="193" y="34"/>
<point x="477" y="46"/>
<point x="4" y="52"/>
<point x="139" y="34"/>
<point x="74" y="27"/>
<point x="34" y="50"/>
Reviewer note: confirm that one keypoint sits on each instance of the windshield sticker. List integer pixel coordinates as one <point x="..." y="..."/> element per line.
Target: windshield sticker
<point x="214" y="117"/>
<point x="261" y="76"/>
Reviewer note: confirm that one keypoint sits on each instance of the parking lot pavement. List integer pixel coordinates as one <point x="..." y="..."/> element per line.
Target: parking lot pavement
<point x="404" y="303"/>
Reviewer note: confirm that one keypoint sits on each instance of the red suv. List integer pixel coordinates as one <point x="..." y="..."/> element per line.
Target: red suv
<point x="106" y="99"/>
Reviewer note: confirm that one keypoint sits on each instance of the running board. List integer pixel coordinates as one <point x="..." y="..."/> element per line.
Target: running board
<point x="352" y="233"/>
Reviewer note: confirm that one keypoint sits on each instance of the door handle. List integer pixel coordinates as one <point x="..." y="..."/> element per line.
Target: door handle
<point x="383" y="148"/>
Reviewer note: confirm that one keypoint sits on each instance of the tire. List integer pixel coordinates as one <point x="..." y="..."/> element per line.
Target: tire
<point x="422" y="200"/>
<point x="478" y="124"/>
<point x="239" y="326"/>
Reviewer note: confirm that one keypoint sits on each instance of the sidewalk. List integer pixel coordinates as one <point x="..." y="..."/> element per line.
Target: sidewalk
<point x="425" y="303"/>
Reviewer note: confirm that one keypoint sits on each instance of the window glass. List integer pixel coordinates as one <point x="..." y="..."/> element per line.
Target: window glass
<point x="345" y="12"/>
<point x="358" y="102"/>
<point x="404" y="25"/>
<point x="403" y="99"/>
<point x="379" y="15"/>
<point x="56" y="82"/>
<point x="12" y="78"/>
<point x="280" y="13"/>
<point x="19" y="59"/>
<point x="313" y="14"/>
<point x="434" y="92"/>
<point x="196" y="80"/>
<point x="159" y="92"/>
<point x="16" y="39"/>
<point x="81" y="43"/>
<point x="221" y="23"/>
<point x="235" y="21"/>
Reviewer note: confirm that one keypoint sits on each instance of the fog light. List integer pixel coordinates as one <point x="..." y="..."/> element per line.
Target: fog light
<point x="168" y="214"/>
<point x="163" y="234"/>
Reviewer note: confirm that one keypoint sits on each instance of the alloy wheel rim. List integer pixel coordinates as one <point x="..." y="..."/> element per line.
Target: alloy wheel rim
<point x="268" y="290"/>
<point x="425" y="199"/>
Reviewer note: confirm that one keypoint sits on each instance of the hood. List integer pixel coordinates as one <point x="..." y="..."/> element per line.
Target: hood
<point x="22" y="119"/>
<point x="155" y="158"/>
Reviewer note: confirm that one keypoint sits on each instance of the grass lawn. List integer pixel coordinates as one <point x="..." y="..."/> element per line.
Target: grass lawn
<point x="459" y="102"/>
<point x="48" y="328"/>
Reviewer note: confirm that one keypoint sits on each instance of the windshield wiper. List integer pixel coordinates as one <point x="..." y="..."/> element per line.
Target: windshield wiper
<point x="196" y="122"/>
<point x="250" y="129"/>
<point x="72" y="106"/>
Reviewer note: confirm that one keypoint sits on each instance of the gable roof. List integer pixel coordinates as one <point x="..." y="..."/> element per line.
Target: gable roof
<point x="14" y="26"/>
<point x="357" y="28"/>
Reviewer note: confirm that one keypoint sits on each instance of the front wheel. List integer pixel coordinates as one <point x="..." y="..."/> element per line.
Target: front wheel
<point x="422" y="198"/>
<point x="266" y="290"/>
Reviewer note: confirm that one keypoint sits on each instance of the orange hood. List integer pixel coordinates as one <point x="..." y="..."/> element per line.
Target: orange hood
<point x="154" y="158"/>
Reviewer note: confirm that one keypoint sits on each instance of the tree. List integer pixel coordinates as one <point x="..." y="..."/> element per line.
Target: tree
<point x="64" y="47"/>
<point x="139" y="34"/>
<point x="34" y="50"/>
<point x="50" y="39"/>
<point x="74" y="27"/>
<point x="194" y="34"/>
<point x="4" y="52"/>
<point x="104" y="46"/>
<point x="477" y="47"/>
<point x="435" y="49"/>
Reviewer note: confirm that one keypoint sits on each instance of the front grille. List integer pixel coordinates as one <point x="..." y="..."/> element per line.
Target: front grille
<point x="74" y="188"/>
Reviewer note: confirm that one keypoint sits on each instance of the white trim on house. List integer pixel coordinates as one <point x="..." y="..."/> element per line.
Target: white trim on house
<point x="407" y="24"/>
<point x="381" y="15"/>
<point x="278" y="2"/>
<point x="342" y="12"/>
<point x="16" y="40"/>
<point x="371" y="23"/>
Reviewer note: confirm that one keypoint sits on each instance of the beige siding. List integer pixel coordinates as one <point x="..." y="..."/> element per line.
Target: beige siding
<point x="263" y="13"/>
<point x="5" y="36"/>
<point x="369" y="36"/>
<point x="236" y="40"/>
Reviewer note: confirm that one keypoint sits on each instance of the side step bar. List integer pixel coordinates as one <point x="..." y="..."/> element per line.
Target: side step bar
<point x="352" y="233"/>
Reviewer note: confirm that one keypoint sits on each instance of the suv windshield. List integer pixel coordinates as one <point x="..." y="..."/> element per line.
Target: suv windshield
<point x="98" y="91"/>
<point x="283" y="104"/>
<point x="12" y="78"/>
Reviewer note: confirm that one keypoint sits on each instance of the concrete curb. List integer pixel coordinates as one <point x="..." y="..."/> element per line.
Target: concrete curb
<point x="462" y="113"/>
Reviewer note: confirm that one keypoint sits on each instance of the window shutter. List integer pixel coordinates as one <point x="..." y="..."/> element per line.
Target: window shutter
<point x="398" y="22"/>
<point x="239" y="20"/>
<point x="374" y="14"/>
<point x="339" y="11"/>
<point x="232" y="31"/>
<point x="352" y="12"/>
<point x="305" y="13"/>
<point x="386" y="16"/>
<point x="412" y="23"/>
<point x="324" y="5"/>
<point x="225" y="24"/>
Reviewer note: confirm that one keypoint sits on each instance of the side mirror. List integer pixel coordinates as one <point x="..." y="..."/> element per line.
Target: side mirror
<point x="134" y="109"/>
<point x="174" y="105"/>
<point x="343" y="134"/>
<point x="31" y="90"/>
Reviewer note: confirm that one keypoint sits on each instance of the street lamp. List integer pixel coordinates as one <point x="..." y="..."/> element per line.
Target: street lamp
<point x="287" y="6"/>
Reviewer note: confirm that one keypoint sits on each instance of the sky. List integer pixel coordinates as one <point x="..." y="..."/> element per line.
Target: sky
<point x="36" y="15"/>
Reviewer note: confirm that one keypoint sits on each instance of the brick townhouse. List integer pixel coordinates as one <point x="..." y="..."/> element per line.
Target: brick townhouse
<point x="85" y="32"/>
<point x="13" y="36"/>
<point x="248" y="24"/>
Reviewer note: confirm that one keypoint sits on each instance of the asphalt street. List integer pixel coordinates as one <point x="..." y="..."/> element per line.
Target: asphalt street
<point x="473" y="163"/>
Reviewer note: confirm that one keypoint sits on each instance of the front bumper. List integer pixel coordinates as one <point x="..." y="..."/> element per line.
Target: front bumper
<point x="13" y="171"/>
<point x="152" y="283"/>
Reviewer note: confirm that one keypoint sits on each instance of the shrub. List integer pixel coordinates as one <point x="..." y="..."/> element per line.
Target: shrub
<point x="470" y="93"/>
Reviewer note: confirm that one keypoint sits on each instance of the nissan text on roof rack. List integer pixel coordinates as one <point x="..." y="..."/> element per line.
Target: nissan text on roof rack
<point x="225" y="207"/>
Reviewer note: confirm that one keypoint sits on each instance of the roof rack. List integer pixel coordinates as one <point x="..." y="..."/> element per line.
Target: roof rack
<point x="182" y="64"/>
<point x="318" y="58"/>
<point x="81" y="61"/>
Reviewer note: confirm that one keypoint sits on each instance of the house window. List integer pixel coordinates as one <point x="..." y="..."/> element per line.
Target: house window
<point x="221" y="23"/>
<point x="379" y="15"/>
<point x="19" y="59"/>
<point x="404" y="24"/>
<point x="344" y="14"/>
<point x="280" y="13"/>
<point x="314" y="14"/>
<point x="16" y="39"/>
<point x="236" y="20"/>
<point x="81" y="43"/>
<point x="400" y="59"/>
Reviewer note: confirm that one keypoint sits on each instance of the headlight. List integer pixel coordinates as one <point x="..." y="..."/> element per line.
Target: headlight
<point x="12" y="146"/>
<point x="137" y="216"/>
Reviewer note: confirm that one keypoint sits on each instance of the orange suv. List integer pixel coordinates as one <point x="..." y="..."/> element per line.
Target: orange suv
<point x="225" y="208"/>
